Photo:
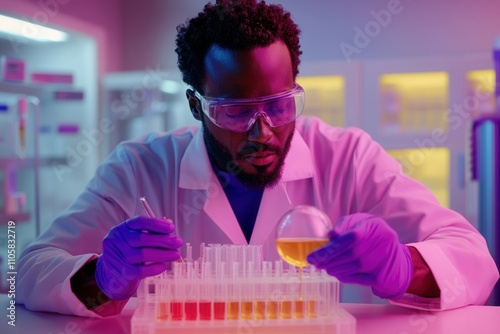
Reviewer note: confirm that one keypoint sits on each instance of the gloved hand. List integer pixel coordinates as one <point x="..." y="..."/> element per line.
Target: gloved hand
<point x="132" y="250"/>
<point x="363" y="249"/>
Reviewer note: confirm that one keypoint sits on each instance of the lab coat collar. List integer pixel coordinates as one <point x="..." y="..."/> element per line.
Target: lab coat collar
<point x="196" y="171"/>
<point x="197" y="174"/>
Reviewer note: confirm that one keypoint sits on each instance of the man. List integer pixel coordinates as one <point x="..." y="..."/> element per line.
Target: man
<point x="230" y="181"/>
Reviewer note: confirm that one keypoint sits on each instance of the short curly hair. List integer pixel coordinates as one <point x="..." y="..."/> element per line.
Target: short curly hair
<point x="234" y="25"/>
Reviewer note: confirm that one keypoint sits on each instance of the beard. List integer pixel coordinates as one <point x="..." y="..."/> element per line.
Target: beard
<point x="222" y="157"/>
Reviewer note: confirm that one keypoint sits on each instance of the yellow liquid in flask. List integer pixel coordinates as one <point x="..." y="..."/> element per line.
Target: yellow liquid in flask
<point x="295" y="250"/>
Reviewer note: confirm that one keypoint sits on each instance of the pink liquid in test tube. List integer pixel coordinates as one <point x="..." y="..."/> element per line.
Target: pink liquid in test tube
<point x="176" y="310"/>
<point x="191" y="310"/>
<point x="205" y="310"/>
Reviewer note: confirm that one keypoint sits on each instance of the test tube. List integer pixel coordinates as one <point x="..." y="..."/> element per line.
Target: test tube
<point x="177" y="292"/>
<point x="217" y="259"/>
<point x="202" y="250"/>
<point x="150" y="213"/>
<point x="189" y="252"/>
<point x="230" y="260"/>
<point x="147" y="208"/>
<point x="146" y="297"/>
<point x="233" y="304"/>
<point x="208" y="255"/>
<point x="296" y="293"/>
<point x="275" y="292"/>
<point x="285" y="311"/>
<point x="322" y="300"/>
<point x="286" y="300"/>
<point x="161" y="295"/>
<point x="293" y="291"/>
<point x="191" y="285"/>
<point x="262" y="291"/>
<point x="311" y="295"/>
<point x="334" y="296"/>
<point x="224" y="250"/>
<point x="256" y="258"/>
<point x="247" y="293"/>
<point x="220" y="293"/>
<point x="206" y="292"/>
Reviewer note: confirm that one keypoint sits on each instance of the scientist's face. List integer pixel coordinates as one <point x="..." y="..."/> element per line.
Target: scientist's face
<point x="257" y="155"/>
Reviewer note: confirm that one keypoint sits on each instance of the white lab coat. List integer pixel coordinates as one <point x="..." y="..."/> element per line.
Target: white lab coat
<point x="341" y="171"/>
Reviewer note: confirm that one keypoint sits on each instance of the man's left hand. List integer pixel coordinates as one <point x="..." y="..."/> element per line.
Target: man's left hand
<point x="363" y="249"/>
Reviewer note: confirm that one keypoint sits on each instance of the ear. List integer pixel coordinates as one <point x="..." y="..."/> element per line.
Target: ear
<point x="194" y="104"/>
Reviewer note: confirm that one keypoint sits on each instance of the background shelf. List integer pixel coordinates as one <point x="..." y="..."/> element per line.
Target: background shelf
<point x="17" y="217"/>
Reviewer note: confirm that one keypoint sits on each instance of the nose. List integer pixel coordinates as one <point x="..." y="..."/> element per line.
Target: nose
<point x="260" y="131"/>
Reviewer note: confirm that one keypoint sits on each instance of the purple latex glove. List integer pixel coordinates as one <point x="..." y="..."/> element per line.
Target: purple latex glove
<point x="363" y="249"/>
<point x="132" y="250"/>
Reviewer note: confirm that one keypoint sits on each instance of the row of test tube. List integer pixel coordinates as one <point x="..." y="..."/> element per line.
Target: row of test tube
<point x="231" y="282"/>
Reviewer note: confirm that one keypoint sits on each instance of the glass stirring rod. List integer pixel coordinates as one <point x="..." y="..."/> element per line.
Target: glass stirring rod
<point x="150" y="213"/>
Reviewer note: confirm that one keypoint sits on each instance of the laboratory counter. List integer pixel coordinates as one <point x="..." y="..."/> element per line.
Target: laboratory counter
<point x="370" y="318"/>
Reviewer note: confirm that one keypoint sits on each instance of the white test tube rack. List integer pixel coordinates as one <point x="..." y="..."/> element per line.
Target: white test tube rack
<point x="230" y="288"/>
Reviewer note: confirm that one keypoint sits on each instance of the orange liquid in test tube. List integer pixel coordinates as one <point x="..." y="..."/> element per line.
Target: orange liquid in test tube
<point x="286" y="309"/>
<point x="162" y="311"/>
<point x="233" y="310"/>
<point x="272" y="309"/>
<point x="298" y="309"/>
<point x="246" y="310"/>
<point x="260" y="310"/>
<point x="311" y="309"/>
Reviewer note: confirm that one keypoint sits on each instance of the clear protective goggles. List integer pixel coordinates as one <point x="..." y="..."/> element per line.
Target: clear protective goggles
<point x="239" y="115"/>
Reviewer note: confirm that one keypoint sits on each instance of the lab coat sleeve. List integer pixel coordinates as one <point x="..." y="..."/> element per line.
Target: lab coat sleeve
<point x="75" y="237"/>
<point x="454" y="250"/>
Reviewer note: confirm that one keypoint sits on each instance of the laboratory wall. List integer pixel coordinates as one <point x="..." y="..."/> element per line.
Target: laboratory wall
<point x="332" y="30"/>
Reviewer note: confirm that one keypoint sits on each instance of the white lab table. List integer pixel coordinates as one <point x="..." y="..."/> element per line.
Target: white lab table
<point x="370" y="318"/>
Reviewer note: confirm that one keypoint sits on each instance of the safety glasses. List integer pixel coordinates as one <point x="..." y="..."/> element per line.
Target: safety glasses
<point x="239" y="115"/>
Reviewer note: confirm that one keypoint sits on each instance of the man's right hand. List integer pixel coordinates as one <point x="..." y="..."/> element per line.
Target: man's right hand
<point x="132" y="250"/>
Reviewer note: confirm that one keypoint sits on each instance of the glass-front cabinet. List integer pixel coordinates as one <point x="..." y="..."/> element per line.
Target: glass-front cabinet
<point x="325" y="96"/>
<point x="332" y="91"/>
<point x="420" y="111"/>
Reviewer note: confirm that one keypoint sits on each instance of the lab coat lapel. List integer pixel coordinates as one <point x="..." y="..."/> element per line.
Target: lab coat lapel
<point x="274" y="204"/>
<point x="218" y="208"/>
<point x="275" y="201"/>
<point x="197" y="174"/>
